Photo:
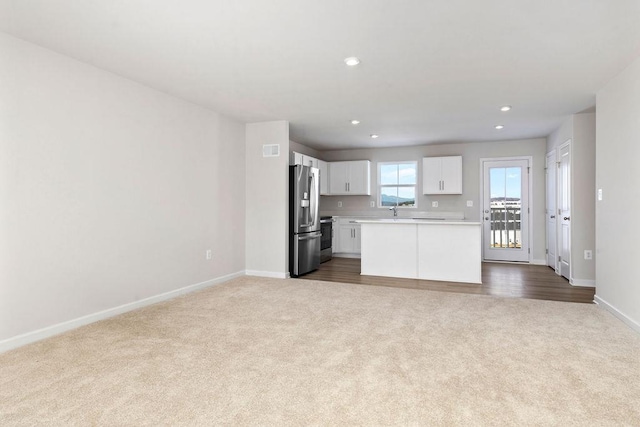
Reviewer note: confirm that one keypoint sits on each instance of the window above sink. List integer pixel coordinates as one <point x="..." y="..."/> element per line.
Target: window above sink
<point x="397" y="184"/>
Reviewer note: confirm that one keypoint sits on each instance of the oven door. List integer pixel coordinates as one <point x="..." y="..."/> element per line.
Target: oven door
<point x="326" y="235"/>
<point x="326" y="252"/>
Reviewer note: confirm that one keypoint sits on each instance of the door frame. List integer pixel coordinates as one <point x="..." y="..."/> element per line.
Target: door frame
<point x="559" y="148"/>
<point x="529" y="160"/>
<point x="553" y="157"/>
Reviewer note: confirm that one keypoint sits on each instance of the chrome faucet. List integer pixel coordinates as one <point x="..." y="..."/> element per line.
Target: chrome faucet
<point x="395" y="210"/>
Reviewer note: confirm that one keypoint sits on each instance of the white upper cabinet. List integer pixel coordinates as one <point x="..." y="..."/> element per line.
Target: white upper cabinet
<point x="442" y="175"/>
<point x="350" y="178"/>
<point x="324" y="177"/>
<point x="303" y="159"/>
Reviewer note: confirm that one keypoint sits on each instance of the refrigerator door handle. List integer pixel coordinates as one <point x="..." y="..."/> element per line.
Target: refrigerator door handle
<point x="310" y="236"/>
<point x="313" y="210"/>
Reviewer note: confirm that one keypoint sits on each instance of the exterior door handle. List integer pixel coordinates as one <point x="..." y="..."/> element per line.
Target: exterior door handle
<point x="552" y="216"/>
<point x="486" y="218"/>
<point x="566" y="218"/>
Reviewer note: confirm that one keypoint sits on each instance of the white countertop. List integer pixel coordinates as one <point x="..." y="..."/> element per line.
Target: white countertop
<point x="415" y="221"/>
<point x="385" y="214"/>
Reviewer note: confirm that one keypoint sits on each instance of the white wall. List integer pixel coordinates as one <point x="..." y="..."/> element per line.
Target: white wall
<point x="581" y="130"/>
<point x="471" y="155"/>
<point x="560" y="135"/>
<point x="267" y="200"/>
<point x="110" y="192"/>
<point x="583" y="197"/>
<point x="618" y="175"/>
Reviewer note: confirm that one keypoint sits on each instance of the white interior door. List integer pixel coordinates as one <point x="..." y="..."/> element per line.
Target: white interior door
<point x="564" y="209"/>
<point x="550" y="211"/>
<point x="505" y="210"/>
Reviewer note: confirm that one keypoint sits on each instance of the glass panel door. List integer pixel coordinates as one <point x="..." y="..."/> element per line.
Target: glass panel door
<point x="505" y="210"/>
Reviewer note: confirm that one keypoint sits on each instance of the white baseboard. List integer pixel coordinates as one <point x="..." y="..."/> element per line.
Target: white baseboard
<point x="539" y="261"/>
<point x="345" y="255"/>
<point x="49" y="331"/>
<point x="587" y="283"/>
<point x="620" y="315"/>
<point x="272" y="274"/>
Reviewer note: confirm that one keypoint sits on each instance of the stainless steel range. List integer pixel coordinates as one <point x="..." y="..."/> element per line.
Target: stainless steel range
<point x="326" y="227"/>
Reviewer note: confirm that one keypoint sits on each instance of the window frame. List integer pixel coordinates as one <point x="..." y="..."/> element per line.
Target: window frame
<point x="414" y="186"/>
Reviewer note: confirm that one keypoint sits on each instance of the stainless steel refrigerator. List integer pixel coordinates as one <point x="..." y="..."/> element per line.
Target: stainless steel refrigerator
<point x="304" y="219"/>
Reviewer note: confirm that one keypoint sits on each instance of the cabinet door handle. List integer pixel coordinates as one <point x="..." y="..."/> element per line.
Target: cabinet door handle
<point x="345" y="186"/>
<point x="443" y="185"/>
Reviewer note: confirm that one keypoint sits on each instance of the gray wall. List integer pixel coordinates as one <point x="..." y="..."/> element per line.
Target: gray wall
<point x="581" y="129"/>
<point x="110" y="192"/>
<point x="471" y="155"/>
<point x="267" y="215"/>
<point x="303" y="149"/>
<point x="618" y="175"/>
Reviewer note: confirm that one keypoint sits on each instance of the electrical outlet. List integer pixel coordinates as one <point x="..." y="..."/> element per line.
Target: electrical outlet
<point x="469" y="203"/>
<point x="588" y="254"/>
<point x="372" y="204"/>
<point x="339" y="204"/>
<point x="434" y="204"/>
<point x="599" y="194"/>
<point x="209" y="254"/>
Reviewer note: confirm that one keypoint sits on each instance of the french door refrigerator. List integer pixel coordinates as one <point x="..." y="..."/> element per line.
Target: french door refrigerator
<point x="304" y="219"/>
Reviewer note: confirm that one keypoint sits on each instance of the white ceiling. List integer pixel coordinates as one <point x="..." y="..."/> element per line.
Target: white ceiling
<point x="432" y="70"/>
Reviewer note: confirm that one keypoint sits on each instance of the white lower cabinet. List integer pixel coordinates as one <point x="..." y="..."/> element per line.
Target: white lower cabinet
<point x="446" y="251"/>
<point x="348" y="240"/>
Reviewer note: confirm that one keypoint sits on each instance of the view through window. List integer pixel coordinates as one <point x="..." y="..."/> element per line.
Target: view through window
<point x="506" y="205"/>
<point x="397" y="184"/>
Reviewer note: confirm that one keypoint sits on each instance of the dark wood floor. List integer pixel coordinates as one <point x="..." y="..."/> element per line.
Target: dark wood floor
<point x="505" y="280"/>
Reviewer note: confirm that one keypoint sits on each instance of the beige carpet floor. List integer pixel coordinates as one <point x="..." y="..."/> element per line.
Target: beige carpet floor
<point x="290" y="352"/>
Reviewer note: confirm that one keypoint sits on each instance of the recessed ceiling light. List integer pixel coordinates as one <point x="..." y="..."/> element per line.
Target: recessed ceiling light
<point x="499" y="127"/>
<point x="505" y="108"/>
<point x="355" y="122"/>
<point x="374" y="136"/>
<point x="351" y="61"/>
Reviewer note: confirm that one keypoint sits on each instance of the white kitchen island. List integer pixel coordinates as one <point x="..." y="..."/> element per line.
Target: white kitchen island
<point x="422" y="249"/>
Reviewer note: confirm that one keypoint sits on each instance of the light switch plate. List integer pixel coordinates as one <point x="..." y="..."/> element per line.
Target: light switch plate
<point x="339" y="204"/>
<point x="434" y="204"/>
<point x="372" y="204"/>
<point x="600" y="194"/>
